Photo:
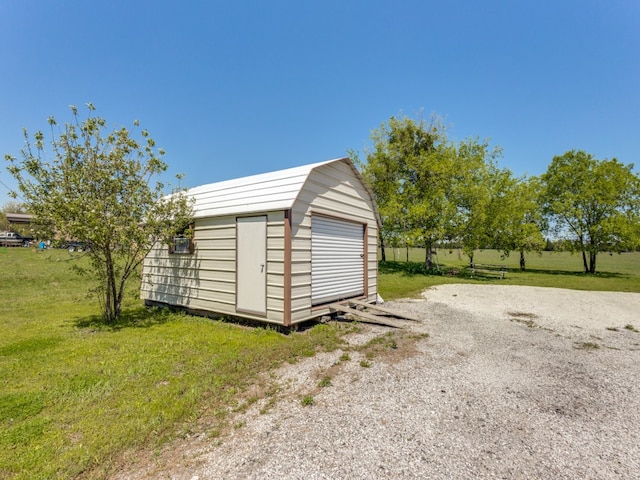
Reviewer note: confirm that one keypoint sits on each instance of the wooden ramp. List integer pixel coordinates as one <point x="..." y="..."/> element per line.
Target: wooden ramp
<point x="370" y="313"/>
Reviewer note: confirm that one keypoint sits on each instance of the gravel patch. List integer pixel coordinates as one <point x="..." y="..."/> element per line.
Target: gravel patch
<point x="511" y="382"/>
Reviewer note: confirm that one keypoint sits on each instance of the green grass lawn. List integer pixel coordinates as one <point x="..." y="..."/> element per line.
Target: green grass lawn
<point x="616" y="272"/>
<point x="76" y="395"/>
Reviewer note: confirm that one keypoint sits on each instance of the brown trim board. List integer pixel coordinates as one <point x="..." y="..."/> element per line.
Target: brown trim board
<point x="286" y="320"/>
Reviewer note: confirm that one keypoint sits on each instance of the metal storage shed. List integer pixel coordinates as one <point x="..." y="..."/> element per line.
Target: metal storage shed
<point x="277" y="247"/>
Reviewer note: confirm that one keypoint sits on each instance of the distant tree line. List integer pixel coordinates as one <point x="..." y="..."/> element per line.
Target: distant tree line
<point x="12" y="206"/>
<point x="9" y="207"/>
<point x="431" y="190"/>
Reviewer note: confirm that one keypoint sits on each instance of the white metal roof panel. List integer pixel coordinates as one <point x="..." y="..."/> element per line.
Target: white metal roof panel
<point x="257" y="193"/>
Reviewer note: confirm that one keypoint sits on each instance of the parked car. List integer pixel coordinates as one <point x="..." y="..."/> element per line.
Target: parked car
<point x="74" y="246"/>
<point x="13" y="239"/>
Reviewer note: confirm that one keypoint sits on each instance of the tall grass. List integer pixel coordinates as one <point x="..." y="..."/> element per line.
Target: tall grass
<point x="74" y="395"/>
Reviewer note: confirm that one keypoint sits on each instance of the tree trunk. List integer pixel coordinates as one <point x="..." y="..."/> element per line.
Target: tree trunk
<point x="471" y="260"/>
<point x="407" y="253"/>
<point x="522" y="262"/>
<point x="593" y="251"/>
<point x="584" y="261"/>
<point x="117" y="308"/>
<point x="592" y="262"/>
<point x="111" y="303"/>
<point x="428" y="261"/>
<point x="382" y="251"/>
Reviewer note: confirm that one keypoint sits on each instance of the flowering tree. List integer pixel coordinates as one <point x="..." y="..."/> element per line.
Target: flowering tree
<point x="100" y="187"/>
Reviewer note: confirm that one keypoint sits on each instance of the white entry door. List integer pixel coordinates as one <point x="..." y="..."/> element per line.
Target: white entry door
<point x="251" y="264"/>
<point x="337" y="259"/>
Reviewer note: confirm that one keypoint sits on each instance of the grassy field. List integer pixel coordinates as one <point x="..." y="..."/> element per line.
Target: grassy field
<point x="616" y="272"/>
<point x="76" y="396"/>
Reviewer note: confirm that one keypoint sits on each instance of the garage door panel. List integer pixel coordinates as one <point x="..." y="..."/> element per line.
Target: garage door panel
<point x="337" y="265"/>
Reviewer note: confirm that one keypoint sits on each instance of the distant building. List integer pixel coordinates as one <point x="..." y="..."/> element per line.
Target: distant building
<point x="19" y="218"/>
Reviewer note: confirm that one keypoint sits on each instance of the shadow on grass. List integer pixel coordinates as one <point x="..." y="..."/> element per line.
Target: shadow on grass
<point x="574" y="273"/>
<point x="409" y="268"/>
<point x="137" y="317"/>
<point x="418" y="268"/>
<point x="145" y="317"/>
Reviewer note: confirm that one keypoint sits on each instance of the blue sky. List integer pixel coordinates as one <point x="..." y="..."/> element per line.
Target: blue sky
<point x="235" y="88"/>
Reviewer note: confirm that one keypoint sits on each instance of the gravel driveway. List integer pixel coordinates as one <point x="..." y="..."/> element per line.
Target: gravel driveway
<point x="511" y="382"/>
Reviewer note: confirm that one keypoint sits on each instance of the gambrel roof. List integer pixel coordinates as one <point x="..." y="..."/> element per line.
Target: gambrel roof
<point x="257" y="193"/>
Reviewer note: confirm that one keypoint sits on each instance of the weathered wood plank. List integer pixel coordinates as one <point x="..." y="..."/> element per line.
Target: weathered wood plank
<point x="366" y="317"/>
<point x="389" y="311"/>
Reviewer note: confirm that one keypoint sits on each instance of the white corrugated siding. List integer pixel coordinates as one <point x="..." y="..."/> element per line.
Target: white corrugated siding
<point x="257" y="193"/>
<point x="206" y="280"/>
<point x="334" y="190"/>
<point x="337" y="259"/>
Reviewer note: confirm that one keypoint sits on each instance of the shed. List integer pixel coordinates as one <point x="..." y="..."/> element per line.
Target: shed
<point x="277" y="247"/>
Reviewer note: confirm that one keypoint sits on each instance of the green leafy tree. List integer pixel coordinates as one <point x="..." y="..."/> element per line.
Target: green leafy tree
<point x="516" y="220"/>
<point x="13" y="207"/>
<point x="10" y="207"/>
<point x="408" y="169"/>
<point x="101" y="187"/>
<point x="475" y="186"/>
<point x="428" y="188"/>
<point x="594" y="205"/>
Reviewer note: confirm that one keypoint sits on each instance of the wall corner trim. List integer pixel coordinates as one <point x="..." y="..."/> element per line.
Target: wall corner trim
<point x="287" y="268"/>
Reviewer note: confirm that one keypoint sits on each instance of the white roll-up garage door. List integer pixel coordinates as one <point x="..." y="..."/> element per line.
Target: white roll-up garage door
<point x="337" y="259"/>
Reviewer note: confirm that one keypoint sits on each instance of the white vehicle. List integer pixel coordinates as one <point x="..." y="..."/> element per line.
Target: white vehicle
<point x="13" y="239"/>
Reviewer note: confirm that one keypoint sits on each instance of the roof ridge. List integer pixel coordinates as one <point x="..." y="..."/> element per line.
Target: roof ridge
<point x="275" y="190"/>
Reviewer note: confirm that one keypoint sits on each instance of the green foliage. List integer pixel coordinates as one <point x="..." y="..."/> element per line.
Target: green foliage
<point x="407" y="170"/>
<point x="76" y="394"/>
<point x="477" y="186"/>
<point x="515" y="220"/>
<point x="428" y="188"/>
<point x="97" y="186"/>
<point x="431" y="190"/>
<point x="14" y="207"/>
<point x="594" y="205"/>
<point x="410" y="268"/>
